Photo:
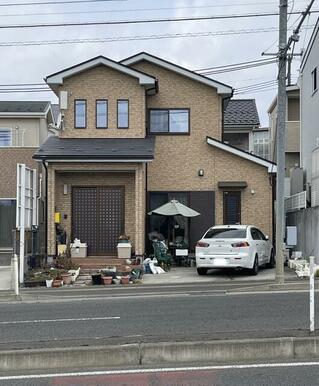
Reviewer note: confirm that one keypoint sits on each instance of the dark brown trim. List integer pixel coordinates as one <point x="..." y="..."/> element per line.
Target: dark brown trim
<point x="107" y="113"/>
<point x="128" y="113"/>
<point x="74" y="113"/>
<point x="232" y="184"/>
<point x="149" y="132"/>
<point x="233" y="192"/>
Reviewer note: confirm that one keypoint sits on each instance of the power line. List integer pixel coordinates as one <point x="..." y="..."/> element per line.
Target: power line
<point x="136" y="9"/>
<point x="145" y="21"/>
<point x="56" y="2"/>
<point x="140" y="38"/>
<point x="233" y="65"/>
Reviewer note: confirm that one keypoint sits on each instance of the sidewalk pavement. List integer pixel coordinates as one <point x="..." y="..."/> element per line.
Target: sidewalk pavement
<point x="5" y="278"/>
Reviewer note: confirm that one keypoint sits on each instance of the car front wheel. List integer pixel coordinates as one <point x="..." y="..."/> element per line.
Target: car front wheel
<point x="202" y="271"/>
<point x="254" y="270"/>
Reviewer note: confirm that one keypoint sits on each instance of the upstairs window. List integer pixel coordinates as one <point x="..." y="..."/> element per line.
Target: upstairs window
<point x="314" y="80"/>
<point x="5" y="137"/>
<point x="173" y="121"/>
<point x="101" y="112"/>
<point x="80" y="113"/>
<point x="122" y="114"/>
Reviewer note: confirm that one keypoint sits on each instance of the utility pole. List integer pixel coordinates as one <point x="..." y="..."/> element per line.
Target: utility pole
<point x="284" y="46"/>
<point x="281" y="141"/>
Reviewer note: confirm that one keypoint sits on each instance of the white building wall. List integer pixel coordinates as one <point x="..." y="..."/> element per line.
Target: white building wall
<point x="309" y="107"/>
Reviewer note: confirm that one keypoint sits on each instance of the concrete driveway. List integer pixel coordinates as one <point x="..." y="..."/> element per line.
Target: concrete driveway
<point x="184" y="275"/>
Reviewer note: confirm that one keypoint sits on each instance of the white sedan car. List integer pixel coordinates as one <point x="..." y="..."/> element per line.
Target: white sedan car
<point x="234" y="246"/>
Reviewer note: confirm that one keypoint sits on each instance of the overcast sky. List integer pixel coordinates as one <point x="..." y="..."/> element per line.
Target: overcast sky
<point x="30" y="64"/>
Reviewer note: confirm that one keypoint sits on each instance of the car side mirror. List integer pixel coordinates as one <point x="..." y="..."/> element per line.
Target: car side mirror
<point x="266" y="237"/>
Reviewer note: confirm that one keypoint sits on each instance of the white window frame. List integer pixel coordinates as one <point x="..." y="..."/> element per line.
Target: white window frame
<point x="6" y="129"/>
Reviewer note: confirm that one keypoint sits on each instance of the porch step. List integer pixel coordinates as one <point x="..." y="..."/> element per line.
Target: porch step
<point x="97" y="262"/>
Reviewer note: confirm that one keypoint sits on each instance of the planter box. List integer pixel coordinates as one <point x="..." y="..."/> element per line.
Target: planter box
<point x="97" y="279"/>
<point x="125" y="280"/>
<point x="34" y="283"/>
<point x="57" y="283"/>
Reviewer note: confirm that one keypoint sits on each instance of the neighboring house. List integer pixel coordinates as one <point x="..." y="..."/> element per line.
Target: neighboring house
<point x="306" y="219"/>
<point x="136" y="134"/>
<point x="24" y="126"/>
<point x="242" y="129"/>
<point x="309" y="85"/>
<point x="292" y="128"/>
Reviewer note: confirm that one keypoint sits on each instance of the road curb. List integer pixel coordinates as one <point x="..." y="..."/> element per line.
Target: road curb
<point x="161" y="353"/>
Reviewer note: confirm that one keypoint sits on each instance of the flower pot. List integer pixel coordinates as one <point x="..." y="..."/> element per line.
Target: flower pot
<point x="49" y="282"/>
<point x="96" y="279"/>
<point x="107" y="280"/>
<point x="125" y="279"/>
<point x="66" y="278"/>
<point x="57" y="283"/>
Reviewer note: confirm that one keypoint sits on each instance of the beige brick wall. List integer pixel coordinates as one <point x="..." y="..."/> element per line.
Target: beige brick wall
<point x="9" y="157"/>
<point x="178" y="158"/>
<point x="105" y="83"/>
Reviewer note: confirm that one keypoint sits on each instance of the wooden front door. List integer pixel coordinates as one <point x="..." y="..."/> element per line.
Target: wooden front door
<point x="98" y="218"/>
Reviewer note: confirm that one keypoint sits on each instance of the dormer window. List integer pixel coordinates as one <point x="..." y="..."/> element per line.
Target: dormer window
<point x="169" y="121"/>
<point x="80" y="113"/>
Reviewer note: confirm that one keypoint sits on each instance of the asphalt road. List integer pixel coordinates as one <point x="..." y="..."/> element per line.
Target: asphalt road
<point x="289" y="375"/>
<point x="158" y="316"/>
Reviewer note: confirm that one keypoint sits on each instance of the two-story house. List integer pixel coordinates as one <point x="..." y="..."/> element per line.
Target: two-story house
<point x="24" y="126"/>
<point x="136" y="134"/>
<point x="241" y="128"/>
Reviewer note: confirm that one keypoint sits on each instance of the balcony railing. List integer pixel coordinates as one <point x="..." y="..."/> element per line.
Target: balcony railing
<point x="296" y="202"/>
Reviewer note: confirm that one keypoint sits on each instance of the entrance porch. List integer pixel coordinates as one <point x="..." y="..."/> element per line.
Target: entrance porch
<point x="97" y="202"/>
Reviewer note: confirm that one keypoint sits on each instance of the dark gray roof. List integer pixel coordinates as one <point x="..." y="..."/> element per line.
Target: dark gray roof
<point x="241" y="112"/>
<point x="23" y="106"/>
<point x="55" y="148"/>
<point x="55" y="111"/>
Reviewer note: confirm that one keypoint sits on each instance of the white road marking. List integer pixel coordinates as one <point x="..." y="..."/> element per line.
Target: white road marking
<point x="159" y="370"/>
<point x="59" y="320"/>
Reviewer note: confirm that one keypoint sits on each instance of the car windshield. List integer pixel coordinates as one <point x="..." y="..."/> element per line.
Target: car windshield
<point x="225" y="233"/>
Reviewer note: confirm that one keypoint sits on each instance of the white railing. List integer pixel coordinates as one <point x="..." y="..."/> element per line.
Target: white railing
<point x="296" y="202"/>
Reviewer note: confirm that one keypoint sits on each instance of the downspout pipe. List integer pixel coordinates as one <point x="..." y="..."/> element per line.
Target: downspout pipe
<point x="46" y="208"/>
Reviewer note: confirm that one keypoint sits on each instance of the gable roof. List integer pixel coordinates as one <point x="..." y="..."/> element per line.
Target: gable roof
<point x="241" y="112"/>
<point x="271" y="166"/>
<point x="58" y="77"/>
<point x="24" y="107"/>
<point x="220" y="87"/>
<point x="102" y="149"/>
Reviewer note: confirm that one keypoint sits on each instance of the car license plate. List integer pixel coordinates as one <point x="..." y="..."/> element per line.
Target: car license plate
<point x="220" y="262"/>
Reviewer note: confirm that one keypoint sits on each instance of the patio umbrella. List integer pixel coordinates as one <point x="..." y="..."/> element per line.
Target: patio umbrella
<point x="175" y="208"/>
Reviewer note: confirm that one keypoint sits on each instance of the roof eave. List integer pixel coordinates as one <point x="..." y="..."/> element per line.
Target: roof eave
<point x="222" y="89"/>
<point x="271" y="167"/>
<point x="57" y="79"/>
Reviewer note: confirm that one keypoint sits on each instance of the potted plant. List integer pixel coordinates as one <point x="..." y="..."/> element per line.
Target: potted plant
<point x="107" y="280"/>
<point x="96" y="278"/>
<point x="124" y="239"/>
<point x="66" y="277"/>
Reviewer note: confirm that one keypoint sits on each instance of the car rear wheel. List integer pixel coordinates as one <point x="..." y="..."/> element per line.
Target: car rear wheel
<point x="272" y="261"/>
<point x="202" y="271"/>
<point x="254" y="270"/>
